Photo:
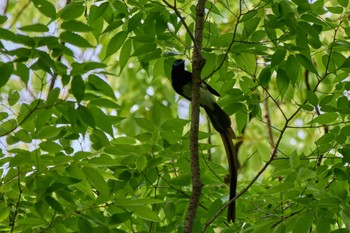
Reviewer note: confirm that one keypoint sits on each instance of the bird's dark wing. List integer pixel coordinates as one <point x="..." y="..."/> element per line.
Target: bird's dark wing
<point x="210" y="89"/>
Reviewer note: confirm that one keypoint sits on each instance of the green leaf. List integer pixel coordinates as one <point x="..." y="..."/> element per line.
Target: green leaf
<point x="13" y="97"/>
<point x="86" y="116"/>
<point x="292" y="69"/>
<point x="304" y="61"/>
<point x="97" y="180"/>
<point x="45" y="7"/>
<point x="305" y="174"/>
<point x="232" y="108"/>
<point x="99" y="139"/>
<point x="32" y="221"/>
<point x="84" y="225"/>
<point x="248" y="15"/>
<point x="303" y="223"/>
<point x="4" y="212"/>
<point x="54" y="204"/>
<point x="6" y="70"/>
<point x="50" y="147"/>
<point x="52" y="98"/>
<point x="134" y="21"/>
<point x="75" y="26"/>
<point x="115" y="43"/>
<point x="246" y="62"/>
<point x="174" y="124"/>
<point x="312" y="98"/>
<point x="7" y="126"/>
<point x="119" y="218"/>
<point x="294" y="160"/>
<point x="326" y="118"/>
<point x="141" y="162"/>
<point x="99" y="85"/>
<point x="147" y="214"/>
<point x="329" y="202"/>
<point x="113" y="26"/>
<point x="3" y="19"/>
<point x="326" y="138"/>
<point x="343" y="3"/>
<point x="24" y="136"/>
<point x="23" y="72"/>
<point x="326" y="99"/>
<point x="72" y="10"/>
<point x="97" y="12"/>
<point x="144" y="49"/>
<point x="38" y="27"/>
<point x="323" y="225"/>
<point x="48" y="131"/>
<point x="278" y="56"/>
<point x="282" y="81"/>
<point x="74" y="39"/>
<point x="250" y="26"/>
<point x="242" y="118"/>
<point x="124" y="54"/>
<point x="144" y="123"/>
<point x="9" y="35"/>
<point x="335" y="10"/>
<point x="43" y="117"/>
<point x="307" y="107"/>
<point x="280" y="188"/>
<point x="265" y="76"/>
<point x="78" y="88"/>
<point x="345" y="217"/>
<point x="102" y="120"/>
<point x="345" y="130"/>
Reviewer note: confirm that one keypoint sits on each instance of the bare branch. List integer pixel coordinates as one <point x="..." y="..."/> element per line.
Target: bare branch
<point x="197" y="64"/>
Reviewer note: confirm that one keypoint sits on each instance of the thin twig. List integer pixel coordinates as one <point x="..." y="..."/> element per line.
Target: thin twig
<point x="20" y="190"/>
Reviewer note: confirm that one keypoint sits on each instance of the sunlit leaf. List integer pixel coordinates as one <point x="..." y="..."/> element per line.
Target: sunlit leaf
<point x="75" y="26"/>
<point x="125" y="54"/>
<point x="115" y="43"/>
<point x="74" y="39"/>
<point x="97" y="180"/>
<point x="45" y="7"/>
<point x="50" y="146"/>
<point x="35" y="28"/>
<point x="72" y="10"/>
<point x="325" y="118"/>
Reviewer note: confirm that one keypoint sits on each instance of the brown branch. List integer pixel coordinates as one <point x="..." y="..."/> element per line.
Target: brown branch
<point x="197" y="64"/>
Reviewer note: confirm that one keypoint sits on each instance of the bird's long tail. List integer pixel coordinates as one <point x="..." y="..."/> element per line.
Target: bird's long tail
<point x="222" y="123"/>
<point x="230" y="152"/>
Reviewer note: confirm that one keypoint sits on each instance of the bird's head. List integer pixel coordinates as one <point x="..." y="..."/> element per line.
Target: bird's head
<point x="179" y="64"/>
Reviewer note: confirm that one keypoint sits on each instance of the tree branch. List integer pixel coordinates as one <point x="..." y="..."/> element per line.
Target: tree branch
<point x="197" y="64"/>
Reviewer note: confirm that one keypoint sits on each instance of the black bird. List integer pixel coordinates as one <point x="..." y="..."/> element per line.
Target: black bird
<point x="182" y="84"/>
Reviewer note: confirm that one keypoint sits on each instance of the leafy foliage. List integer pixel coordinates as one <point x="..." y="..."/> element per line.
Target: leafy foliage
<point x="91" y="140"/>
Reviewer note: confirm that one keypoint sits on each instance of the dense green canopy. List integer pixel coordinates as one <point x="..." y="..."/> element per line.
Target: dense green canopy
<point x="94" y="139"/>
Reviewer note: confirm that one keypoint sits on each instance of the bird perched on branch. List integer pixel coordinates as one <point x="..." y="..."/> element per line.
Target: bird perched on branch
<point x="182" y="84"/>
